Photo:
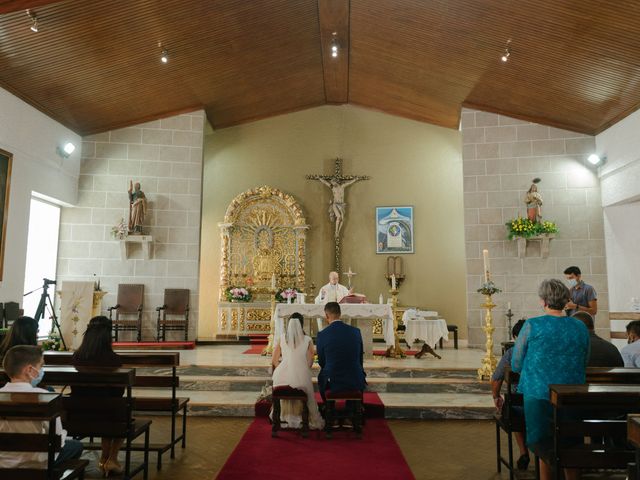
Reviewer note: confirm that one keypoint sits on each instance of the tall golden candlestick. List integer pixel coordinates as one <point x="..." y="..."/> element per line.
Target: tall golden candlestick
<point x="488" y="364"/>
<point x="396" y="350"/>
<point x="268" y="350"/>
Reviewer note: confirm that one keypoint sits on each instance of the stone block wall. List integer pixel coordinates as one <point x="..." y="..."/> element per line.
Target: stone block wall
<point x="501" y="156"/>
<point x="165" y="156"/>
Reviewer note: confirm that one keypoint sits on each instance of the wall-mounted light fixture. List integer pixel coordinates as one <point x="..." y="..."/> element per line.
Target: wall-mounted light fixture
<point x="596" y="160"/>
<point x="65" y="150"/>
<point x="507" y="52"/>
<point x="164" y="56"/>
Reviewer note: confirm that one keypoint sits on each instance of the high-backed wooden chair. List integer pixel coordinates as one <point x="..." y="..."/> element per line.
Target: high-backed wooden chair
<point x="176" y="304"/>
<point x="129" y="303"/>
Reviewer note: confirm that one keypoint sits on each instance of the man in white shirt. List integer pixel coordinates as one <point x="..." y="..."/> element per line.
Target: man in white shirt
<point x="331" y="292"/>
<point x="24" y="365"/>
<point x="631" y="352"/>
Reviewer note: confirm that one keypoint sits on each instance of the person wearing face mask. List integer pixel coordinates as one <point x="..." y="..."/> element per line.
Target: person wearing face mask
<point x="631" y="352"/>
<point x="24" y="365"/>
<point x="583" y="296"/>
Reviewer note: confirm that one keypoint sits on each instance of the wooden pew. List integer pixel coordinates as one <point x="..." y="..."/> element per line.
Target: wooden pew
<point x="633" y="437"/>
<point x="588" y="411"/>
<point x="43" y="407"/>
<point x="172" y="405"/>
<point x="100" y="416"/>
<point x="511" y="421"/>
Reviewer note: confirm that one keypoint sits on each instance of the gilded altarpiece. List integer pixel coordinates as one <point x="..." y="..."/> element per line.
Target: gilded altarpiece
<point x="263" y="240"/>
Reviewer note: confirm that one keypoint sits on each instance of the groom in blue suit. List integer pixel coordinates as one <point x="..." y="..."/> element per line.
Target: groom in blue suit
<point x="340" y="354"/>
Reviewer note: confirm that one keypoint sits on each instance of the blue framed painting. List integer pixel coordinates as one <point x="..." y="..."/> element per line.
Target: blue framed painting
<point x="394" y="230"/>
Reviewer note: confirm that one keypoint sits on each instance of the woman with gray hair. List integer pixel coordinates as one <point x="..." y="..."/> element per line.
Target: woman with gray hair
<point x="551" y="349"/>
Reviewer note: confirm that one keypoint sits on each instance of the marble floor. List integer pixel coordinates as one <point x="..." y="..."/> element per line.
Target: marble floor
<point x="222" y="381"/>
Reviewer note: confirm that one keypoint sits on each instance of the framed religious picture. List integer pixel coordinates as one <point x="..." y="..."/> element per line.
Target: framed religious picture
<point x="394" y="229"/>
<point x="5" y="179"/>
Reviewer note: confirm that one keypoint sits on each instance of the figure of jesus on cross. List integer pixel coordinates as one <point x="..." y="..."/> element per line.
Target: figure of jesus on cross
<point x="337" y="183"/>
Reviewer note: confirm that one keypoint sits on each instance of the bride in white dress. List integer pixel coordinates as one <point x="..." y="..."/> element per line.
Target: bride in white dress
<point x="294" y="370"/>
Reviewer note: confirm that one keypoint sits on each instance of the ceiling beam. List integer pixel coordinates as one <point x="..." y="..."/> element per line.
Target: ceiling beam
<point x="333" y="16"/>
<point x="8" y="6"/>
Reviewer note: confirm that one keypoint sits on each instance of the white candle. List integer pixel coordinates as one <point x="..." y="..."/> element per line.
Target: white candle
<point x="485" y="258"/>
<point x="393" y="281"/>
<point x="508" y="305"/>
<point x="273" y="281"/>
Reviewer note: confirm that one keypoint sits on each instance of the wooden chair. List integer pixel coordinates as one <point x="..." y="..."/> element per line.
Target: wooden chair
<point x="129" y="302"/>
<point x="172" y="405"/>
<point x="452" y="329"/>
<point x="43" y="407"/>
<point x="293" y="394"/>
<point x="510" y="420"/>
<point x="590" y="410"/>
<point x="333" y="414"/>
<point x="176" y="303"/>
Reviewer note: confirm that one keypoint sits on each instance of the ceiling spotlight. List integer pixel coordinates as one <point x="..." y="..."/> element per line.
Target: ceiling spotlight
<point x="595" y="159"/>
<point x="66" y="150"/>
<point x="164" y="56"/>
<point x="34" y="21"/>
<point x="335" y="46"/>
<point x="507" y="52"/>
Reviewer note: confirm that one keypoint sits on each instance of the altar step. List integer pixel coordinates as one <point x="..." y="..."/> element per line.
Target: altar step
<point x="376" y="384"/>
<point x="258" y="339"/>
<point x="412" y="393"/>
<point x="397" y="405"/>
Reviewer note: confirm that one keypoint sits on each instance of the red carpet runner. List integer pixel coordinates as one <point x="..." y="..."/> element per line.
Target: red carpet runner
<point x="258" y="456"/>
<point x="376" y="456"/>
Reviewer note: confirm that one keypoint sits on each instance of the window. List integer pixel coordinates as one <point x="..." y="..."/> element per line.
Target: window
<point x="42" y="257"/>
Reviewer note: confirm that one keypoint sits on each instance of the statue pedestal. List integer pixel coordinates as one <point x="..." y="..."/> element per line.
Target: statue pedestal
<point x="145" y="241"/>
<point x="544" y="244"/>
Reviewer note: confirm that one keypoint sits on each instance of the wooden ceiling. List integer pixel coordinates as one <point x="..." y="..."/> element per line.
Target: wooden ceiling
<point x="94" y="65"/>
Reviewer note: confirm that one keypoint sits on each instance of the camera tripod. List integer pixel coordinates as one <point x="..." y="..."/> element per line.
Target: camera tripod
<point x="45" y="301"/>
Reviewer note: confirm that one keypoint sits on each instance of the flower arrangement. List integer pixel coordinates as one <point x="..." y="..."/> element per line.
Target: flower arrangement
<point x="488" y="288"/>
<point x="238" y="294"/>
<point x="286" y="294"/>
<point x="526" y="228"/>
<point x="120" y="231"/>
<point x="53" y="343"/>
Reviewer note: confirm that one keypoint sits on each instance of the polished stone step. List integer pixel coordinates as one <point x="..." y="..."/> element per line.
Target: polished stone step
<point x="376" y="384"/>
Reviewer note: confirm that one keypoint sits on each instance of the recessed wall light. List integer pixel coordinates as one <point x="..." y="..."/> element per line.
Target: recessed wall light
<point x="335" y="45"/>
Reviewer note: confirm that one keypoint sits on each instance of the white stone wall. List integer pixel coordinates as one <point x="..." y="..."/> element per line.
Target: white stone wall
<point x="501" y="156"/>
<point x="165" y="156"/>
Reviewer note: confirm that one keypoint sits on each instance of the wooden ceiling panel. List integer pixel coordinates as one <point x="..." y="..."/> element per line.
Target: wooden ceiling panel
<point x="94" y="65"/>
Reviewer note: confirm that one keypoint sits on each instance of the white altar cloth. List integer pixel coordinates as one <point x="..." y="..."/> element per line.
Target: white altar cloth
<point x="354" y="311"/>
<point x="422" y="325"/>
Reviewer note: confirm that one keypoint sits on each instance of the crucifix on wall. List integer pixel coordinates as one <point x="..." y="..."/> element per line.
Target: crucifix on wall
<point x="337" y="208"/>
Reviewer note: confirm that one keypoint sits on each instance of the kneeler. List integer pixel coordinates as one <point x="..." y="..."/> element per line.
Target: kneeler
<point x="355" y="415"/>
<point x="291" y="394"/>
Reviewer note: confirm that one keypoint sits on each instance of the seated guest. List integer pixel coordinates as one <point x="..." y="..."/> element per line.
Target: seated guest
<point x="496" y="385"/>
<point x="24" y="365"/>
<point x="294" y="370"/>
<point x="631" y="352"/>
<point x="551" y="349"/>
<point x="340" y="353"/>
<point x="23" y="331"/>
<point x="602" y="353"/>
<point x="96" y="351"/>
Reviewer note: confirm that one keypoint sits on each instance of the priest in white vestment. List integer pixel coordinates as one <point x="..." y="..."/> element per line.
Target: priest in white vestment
<point x="331" y="292"/>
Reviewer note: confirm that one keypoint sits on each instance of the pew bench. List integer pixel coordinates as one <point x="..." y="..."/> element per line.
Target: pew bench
<point x="89" y="416"/>
<point x="590" y="410"/>
<point x="142" y="404"/>
<point x="39" y="407"/>
<point x="511" y="421"/>
<point x="633" y="437"/>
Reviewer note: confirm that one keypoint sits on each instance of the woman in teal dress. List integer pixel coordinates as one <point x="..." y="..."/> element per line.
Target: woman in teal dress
<point x="551" y="349"/>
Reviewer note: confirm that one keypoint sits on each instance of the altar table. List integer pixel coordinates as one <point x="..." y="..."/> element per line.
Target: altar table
<point x="362" y="315"/>
<point x="426" y="326"/>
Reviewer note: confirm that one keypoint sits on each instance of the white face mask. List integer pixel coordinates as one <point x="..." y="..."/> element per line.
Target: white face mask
<point x="572" y="282"/>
